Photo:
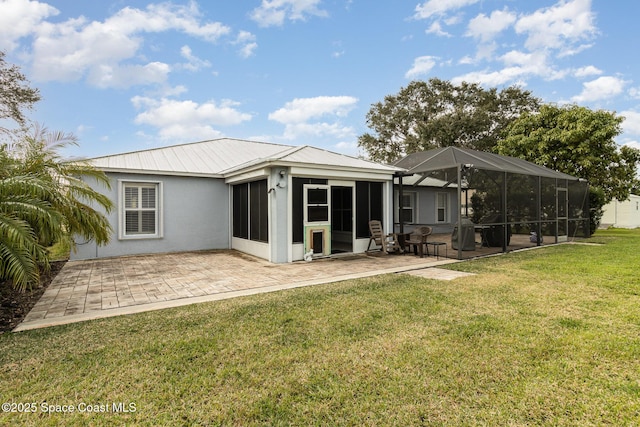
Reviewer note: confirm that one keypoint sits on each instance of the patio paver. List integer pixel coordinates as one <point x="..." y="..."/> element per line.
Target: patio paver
<point x="94" y="289"/>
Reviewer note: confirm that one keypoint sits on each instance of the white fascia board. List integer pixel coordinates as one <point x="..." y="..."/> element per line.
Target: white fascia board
<point x="345" y="174"/>
<point x="247" y="176"/>
<point x="345" y="171"/>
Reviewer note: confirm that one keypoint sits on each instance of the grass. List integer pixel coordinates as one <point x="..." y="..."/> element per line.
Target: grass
<point x="59" y="251"/>
<point x="543" y="337"/>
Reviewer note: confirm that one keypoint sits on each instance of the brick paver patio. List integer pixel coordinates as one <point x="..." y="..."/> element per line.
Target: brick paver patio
<point x="93" y="289"/>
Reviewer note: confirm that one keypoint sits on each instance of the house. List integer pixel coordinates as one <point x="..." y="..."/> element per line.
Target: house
<point x="624" y="214"/>
<point x="273" y="201"/>
<point x="427" y="201"/>
<point x="280" y="202"/>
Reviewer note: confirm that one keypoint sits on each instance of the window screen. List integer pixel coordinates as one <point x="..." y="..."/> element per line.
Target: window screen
<point x="258" y="211"/>
<point x="250" y="211"/>
<point x="369" y="206"/>
<point x="241" y="211"/>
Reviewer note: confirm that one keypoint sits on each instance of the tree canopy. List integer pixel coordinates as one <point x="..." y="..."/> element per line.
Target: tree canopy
<point x="436" y="113"/>
<point x="16" y="95"/>
<point x="577" y="141"/>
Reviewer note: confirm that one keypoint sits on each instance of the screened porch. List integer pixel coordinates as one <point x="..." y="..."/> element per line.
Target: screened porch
<point x="501" y="203"/>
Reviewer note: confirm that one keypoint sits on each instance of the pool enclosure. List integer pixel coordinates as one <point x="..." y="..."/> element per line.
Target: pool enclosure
<point x="501" y="203"/>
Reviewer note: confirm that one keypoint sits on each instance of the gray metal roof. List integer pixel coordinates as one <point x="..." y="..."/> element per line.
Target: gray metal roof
<point x="452" y="157"/>
<point x="226" y="156"/>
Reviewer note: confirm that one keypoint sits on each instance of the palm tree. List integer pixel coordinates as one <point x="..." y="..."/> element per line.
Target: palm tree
<point x="25" y="217"/>
<point x="43" y="200"/>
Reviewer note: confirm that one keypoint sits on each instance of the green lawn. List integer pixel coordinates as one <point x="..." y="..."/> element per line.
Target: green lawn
<point x="543" y="337"/>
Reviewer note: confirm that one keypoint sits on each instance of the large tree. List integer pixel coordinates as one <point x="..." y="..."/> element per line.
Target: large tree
<point x="16" y="95"/>
<point x="438" y="113"/>
<point x="578" y="141"/>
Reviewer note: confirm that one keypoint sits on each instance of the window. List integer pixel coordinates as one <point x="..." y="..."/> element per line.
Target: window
<point x="317" y="202"/>
<point x="241" y="211"/>
<point x="250" y="211"/>
<point x="140" y="213"/>
<point x="368" y="206"/>
<point x="297" y="205"/>
<point x="442" y="207"/>
<point x="408" y="207"/>
<point x="259" y="211"/>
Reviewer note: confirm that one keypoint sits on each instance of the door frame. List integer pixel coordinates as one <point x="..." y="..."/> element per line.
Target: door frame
<point x="352" y="187"/>
<point x="311" y="226"/>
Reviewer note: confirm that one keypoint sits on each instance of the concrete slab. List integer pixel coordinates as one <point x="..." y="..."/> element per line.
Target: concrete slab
<point x="83" y="291"/>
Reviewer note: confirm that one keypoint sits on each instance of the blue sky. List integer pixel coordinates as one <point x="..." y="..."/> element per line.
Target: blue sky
<point x="128" y="75"/>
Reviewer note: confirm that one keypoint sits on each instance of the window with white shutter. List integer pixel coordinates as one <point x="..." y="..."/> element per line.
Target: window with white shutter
<point x="140" y="213"/>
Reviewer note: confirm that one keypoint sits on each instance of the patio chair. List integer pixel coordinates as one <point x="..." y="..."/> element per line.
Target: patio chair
<point x="418" y="239"/>
<point x="387" y="242"/>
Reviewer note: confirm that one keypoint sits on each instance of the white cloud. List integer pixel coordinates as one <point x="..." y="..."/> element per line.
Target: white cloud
<point x="75" y="48"/>
<point x="123" y="76"/>
<point x="466" y="60"/>
<point x="19" y="18"/>
<point x="180" y="132"/>
<point x="274" y="12"/>
<point x="440" y="7"/>
<point x="303" y="109"/>
<point x="421" y="65"/>
<point x="492" y="78"/>
<point x="187" y="120"/>
<point x="81" y="129"/>
<point x="248" y="43"/>
<point x="601" y="88"/>
<point x="453" y="20"/>
<point x="633" y="144"/>
<point x="526" y="60"/>
<point x="350" y="148"/>
<point x="193" y="62"/>
<point x="518" y="67"/>
<point x="436" y="28"/>
<point x="295" y="131"/>
<point x="634" y="92"/>
<point x="631" y="123"/>
<point x="316" y="117"/>
<point x="561" y="26"/>
<point x="486" y="28"/>
<point x="165" y="91"/>
<point x="587" y="71"/>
